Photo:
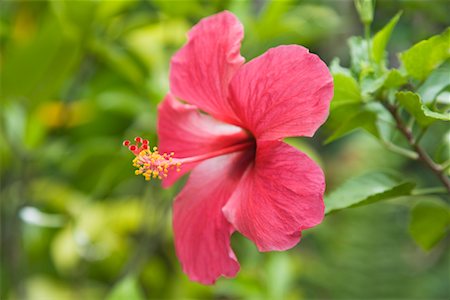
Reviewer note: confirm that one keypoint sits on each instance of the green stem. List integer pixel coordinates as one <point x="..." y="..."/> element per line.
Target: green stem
<point x="400" y="150"/>
<point x="445" y="165"/>
<point x="428" y="191"/>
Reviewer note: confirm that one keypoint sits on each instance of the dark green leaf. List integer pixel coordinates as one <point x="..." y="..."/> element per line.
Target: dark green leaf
<point x="365" y="189"/>
<point x="429" y="222"/>
<point x="49" y="53"/>
<point x="413" y="104"/>
<point x="362" y="119"/>
<point x="422" y="58"/>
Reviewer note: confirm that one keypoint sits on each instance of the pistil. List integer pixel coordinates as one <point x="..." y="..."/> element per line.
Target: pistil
<point x="152" y="164"/>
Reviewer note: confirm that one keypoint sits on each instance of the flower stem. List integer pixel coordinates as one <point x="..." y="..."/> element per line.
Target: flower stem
<point x="367" y="37"/>
<point x="422" y="154"/>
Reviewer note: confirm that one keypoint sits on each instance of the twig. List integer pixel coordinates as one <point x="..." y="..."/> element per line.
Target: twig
<point x="422" y="155"/>
<point x="445" y="165"/>
<point x="400" y="150"/>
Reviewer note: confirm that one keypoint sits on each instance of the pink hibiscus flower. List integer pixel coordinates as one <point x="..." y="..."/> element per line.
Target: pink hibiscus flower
<point x="229" y="133"/>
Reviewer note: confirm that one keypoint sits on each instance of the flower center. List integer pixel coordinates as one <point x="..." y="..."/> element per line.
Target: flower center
<point x="152" y="164"/>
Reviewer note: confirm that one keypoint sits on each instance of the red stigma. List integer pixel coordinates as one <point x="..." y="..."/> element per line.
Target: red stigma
<point x="138" y="147"/>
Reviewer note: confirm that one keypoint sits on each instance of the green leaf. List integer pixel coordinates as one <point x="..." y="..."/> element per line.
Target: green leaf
<point x="300" y="144"/>
<point x="120" y="60"/>
<point x="381" y="39"/>
<point x="128" y="288"/>
<point x="413" y="104"/>
<point x="430" y="220"/>
<point x="444" y="97"/>
<point x="336" y="68"/>
<point x="363" y="119"/>
<point x="346" y="90"/>
<point x="365" y="189"/>
<point x="370" y="84"/>
<point x="359" y="55"/>
<point x="422" y="58"/>
<point x="394" y="79"/>
<point x="438" y="80"/>
<point x="443" y="151"/>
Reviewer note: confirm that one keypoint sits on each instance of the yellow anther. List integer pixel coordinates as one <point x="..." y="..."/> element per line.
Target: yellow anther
<point x="155" y="165"/>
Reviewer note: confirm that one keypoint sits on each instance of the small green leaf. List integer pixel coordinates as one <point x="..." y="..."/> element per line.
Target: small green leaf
<point x="422" y="58"/>
<point x="336" y="68"/>
<point x="394" y="79"/>
<point x="346" y="90"/>
<point x="413" y="104"/>
<point x="381" y="39"/>
<point x="438" y="80"/>
<point x="430" y="220"/>
<point x="370" y="84"/>
<point x="365" y="189"/>
<point x="359" y="55"/>
<point x="128" y="288"/>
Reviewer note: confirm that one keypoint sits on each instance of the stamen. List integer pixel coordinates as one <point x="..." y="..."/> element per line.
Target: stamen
<point x="151" y="164"/>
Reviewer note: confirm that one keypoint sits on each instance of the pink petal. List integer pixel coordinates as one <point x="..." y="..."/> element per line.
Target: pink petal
<point x="201" y="71"/>
<point x="202" y="234"/>
<point x="277" y="198"/>
<point x="182" y="129"/>
<point x="284" y="92"/>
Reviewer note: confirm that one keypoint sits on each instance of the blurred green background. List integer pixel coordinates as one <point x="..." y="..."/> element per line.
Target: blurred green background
<point x="78" y="77"/>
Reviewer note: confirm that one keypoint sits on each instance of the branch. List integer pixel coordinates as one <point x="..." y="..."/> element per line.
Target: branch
<point x="422" y="155"/>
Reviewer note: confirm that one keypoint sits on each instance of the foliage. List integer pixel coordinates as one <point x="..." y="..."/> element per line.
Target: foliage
<point x="78" y="77"/>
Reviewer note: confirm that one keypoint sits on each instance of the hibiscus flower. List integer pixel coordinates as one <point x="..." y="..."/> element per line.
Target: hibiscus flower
<point x="224" y="121"/>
